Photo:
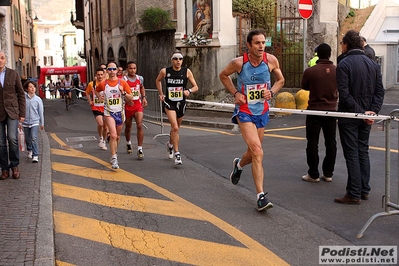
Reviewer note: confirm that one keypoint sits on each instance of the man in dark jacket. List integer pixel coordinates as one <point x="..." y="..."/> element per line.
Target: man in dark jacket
<point x="368" y="50"/>
<point x="12" y="111"/>
<point x="320" y="81"/>
<point x="360" y="91"/>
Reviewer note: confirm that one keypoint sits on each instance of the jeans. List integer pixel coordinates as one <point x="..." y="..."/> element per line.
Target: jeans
<point x="9" y="156"/>
<point x="355" y="145"/>
<point x="32" y="143"/>
<point x="314" y="124"/>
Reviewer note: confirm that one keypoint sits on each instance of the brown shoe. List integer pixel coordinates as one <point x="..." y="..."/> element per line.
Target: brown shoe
<point x="365" y="196"/>
<point x="347" y="200"/>
<point x="4" y="174"/>
<point x="15" y="172"/>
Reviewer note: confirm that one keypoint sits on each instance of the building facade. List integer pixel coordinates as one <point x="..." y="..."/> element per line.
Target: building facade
<point x="18" y="37"/>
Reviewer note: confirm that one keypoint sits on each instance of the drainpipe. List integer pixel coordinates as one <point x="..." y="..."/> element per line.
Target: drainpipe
<point x="101" y="32"/>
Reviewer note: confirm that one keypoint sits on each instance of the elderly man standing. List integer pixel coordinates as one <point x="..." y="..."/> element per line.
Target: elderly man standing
<point x="12" y="111"/>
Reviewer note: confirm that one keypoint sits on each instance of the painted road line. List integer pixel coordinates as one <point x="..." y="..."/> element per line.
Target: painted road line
<point x="159" y="245"/>
<point x="124" y="202"/>
<point x="252" y="250"/>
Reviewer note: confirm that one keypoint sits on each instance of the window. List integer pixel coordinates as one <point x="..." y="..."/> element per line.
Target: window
<point x="109" y="13"/>
<point x="121" y="12"/>
<point x="97" y="14"/>
<point x="46" y="30"/>
<point x="47" y="44"/>
<point x="48" y="60"/>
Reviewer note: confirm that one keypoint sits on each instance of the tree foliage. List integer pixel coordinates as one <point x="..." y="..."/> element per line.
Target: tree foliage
<point x="260" y="12"/>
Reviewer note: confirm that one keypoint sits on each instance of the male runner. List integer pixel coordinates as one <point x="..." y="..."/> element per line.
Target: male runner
<point x="115" y="92"/>
<point x="135" y="108"/>
<point x="97" y="107"/>
<point x="251" y="113"/>
<point x="174" y="101"/>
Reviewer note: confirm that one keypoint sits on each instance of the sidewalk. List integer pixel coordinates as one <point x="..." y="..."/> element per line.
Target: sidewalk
<point x="26" y="221"/>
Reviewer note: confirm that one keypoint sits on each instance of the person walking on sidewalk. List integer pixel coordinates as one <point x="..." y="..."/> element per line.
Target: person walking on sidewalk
<point x="135" y="108"/>
<point x="174" y="100"/>
<point x="12" y="112"/>
<point x="116" y="91"/>
<point x="321" y="83"/>
<point x="251" y="111"/>
<point x="361" y="91"/>
<point x="97" y="107"/>
<point x="34" y="120"/>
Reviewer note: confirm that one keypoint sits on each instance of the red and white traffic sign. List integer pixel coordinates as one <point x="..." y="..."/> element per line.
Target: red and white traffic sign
<point x="305" y="8"/>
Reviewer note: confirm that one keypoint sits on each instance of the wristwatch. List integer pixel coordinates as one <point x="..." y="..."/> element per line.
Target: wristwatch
<point x="190" y="90"/>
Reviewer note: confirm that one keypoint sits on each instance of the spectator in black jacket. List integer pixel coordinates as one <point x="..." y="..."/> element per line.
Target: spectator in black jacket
<point x="360" y="90"/>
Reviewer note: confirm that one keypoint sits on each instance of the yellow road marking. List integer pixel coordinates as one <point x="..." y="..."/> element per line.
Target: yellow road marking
<point x="124" y="202"/>
<point x="284" y="129"/>
<point x="256" y="250"/>
<point x="160" y="245"/>
<point x="61" y="263"/>
<point x="284" y="137"/>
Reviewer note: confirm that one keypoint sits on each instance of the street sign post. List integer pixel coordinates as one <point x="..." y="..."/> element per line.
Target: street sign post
<point x="305" y="8"/>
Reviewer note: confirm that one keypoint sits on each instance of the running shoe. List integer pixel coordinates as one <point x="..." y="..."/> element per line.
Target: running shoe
<point x="35" y="159"/>
<point x="263" y="203"/>
<point x="169" y="150"/>
<point x="236" y="173"/>
<point x="178" y="160"/>
<point x="129" y="148"/>
<point x="140" y="154"/>
<point x="102" y="145"/>
<point x="30" y="154"/>
<point x="114" y="163"/>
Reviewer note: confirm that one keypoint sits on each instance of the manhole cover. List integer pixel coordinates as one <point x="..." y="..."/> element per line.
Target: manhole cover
<point x="77" y="139"/>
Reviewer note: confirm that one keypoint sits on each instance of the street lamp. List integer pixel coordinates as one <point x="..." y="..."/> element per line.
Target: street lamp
<point x="29" y="13"/>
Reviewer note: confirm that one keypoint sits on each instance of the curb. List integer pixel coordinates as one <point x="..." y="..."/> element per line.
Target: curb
<point x="44" y="251"/>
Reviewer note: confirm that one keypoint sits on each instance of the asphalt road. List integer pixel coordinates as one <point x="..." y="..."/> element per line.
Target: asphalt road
<point x="152" y="212"/>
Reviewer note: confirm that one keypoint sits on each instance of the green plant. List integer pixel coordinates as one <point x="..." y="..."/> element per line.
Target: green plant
<point x="351" y="13"/>
<point x="155" y="18"/>
<point x="195" y="39"/>
<point x="259" y="11"/>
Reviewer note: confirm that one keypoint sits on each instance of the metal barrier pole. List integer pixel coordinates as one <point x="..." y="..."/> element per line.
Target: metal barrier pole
<point x="387" y="197"/>
<point x="154" y="110"/>
<point x="161" y="115"/>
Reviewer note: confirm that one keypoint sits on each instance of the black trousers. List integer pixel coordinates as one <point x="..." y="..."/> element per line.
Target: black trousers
<point x="314" y="124"/>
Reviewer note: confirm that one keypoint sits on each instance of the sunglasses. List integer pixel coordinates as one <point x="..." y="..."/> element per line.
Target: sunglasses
<point x="111" y="68"/>
<point x="177" y="58"/>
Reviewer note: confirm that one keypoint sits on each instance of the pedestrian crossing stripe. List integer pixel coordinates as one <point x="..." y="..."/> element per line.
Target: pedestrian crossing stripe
<point x="155" y="244"/>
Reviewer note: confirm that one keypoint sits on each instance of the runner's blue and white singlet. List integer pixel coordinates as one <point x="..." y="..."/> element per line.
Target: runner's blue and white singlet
<point x="251" y="82"/>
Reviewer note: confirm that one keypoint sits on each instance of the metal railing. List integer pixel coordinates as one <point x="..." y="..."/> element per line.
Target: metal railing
<point x="385" y="119"/>
<point x="154" y="110"/>
<point x="388" y="204"/>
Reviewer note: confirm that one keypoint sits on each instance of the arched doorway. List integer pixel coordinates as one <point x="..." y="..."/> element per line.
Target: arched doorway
<point x="122" y="57"/>
<point x="110" y="55"/>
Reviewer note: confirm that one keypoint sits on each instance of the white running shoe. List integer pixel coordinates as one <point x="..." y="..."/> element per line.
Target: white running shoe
<point x="30" y="153"/>
<point x="114" y="163"/>
<point x="102" y="145"/>
<point x="178" y="160"/>
<point x="35" y="159"/>
<point x="169" y="150"/>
